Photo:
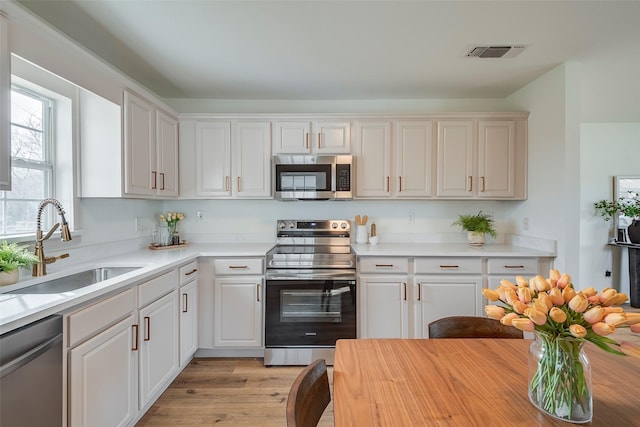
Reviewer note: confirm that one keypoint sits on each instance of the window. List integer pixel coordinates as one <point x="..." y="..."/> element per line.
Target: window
<point x="32" y="168"/>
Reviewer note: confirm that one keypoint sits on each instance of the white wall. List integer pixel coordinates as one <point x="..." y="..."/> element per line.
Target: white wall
<point x="606" y="150"/>
<point x="545" y="208"/>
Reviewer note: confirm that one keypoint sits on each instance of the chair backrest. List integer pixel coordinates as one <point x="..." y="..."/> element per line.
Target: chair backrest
<point x="309" y="396"/>
<point x="471" y="327"/>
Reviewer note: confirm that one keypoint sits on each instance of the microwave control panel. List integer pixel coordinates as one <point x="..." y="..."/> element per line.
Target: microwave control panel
<point x="343" y="177"/>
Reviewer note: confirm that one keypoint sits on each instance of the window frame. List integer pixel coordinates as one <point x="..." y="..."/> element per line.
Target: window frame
<point x="48" y="162"/>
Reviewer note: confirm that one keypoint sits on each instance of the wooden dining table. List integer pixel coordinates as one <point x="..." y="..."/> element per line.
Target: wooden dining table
<point x="464" y="382"/>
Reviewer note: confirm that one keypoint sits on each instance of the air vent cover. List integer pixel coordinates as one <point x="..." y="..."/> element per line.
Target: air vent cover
<point x="502" y="51"/>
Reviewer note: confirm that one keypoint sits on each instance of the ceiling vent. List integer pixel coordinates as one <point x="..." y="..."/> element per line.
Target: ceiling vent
<point x="502" y="51"/>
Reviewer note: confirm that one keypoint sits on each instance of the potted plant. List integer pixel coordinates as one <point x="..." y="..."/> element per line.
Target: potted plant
<point x="627" y="206"/>
<point x="12" y="257"/>
<point x="476" y="227"/>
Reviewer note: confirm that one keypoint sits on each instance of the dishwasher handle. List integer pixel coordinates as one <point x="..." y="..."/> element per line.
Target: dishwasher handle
<point x="30" y="355"/>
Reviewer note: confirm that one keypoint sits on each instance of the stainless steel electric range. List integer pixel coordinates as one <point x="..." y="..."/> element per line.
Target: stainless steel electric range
<point x="310" y="299"/>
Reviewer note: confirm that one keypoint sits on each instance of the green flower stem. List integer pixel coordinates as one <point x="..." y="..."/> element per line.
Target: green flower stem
<point x="559" y="386"/>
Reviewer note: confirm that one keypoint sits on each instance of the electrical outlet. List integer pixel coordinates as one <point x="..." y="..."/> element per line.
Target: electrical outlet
<point x="607" y="273"/>
<point x="139" y="224"/>
<point x="201" y="216"/>
<point x="525" y="223"/>
<point x="411" y="218"/>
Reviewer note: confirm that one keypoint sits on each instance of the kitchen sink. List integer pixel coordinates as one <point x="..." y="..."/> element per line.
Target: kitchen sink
<point x="75" y="281"/>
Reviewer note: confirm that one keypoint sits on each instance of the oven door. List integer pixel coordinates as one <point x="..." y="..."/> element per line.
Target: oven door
<point x="309" y="313"/>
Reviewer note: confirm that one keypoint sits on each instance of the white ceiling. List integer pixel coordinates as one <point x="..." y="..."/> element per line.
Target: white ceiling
<point x="301" y="50"/>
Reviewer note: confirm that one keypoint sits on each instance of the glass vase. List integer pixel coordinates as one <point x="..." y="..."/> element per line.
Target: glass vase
<point x="560" y="378"/>
<point x="164" y="235"/>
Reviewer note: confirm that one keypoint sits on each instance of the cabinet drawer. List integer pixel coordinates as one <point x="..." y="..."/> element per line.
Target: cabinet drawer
<point x="512" y="266"/>
<point x="383" y="265"/>
<point x="440" y="265"/>
<point x="89" y="321"/>
<point x="188" y="272"/>
<point x="238" y="266"/>
<point x="155" y="288"/>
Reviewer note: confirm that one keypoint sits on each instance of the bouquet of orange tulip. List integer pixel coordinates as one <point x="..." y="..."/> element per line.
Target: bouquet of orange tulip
<point x="562" y="319"/>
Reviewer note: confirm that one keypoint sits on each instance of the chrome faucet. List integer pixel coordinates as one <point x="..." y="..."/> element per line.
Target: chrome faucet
<point x="40" y="268"/>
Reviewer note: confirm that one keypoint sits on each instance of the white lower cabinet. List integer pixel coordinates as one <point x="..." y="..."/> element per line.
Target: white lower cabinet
<point x="440" y="297"/>
<point x="103" y="378"/>
<point x="384" y="307"/>
<point x="238" y="300"/>
<point x="123" y="351"/>
<point x="188" y="314"/>
<point x="158" y="345"/>
<point x="414" y="292"/>
<point x="238" y="312"/>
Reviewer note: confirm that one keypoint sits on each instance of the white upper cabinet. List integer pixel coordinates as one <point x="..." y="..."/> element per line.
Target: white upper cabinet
<point x="232" y="159"/>
<point x="5" y="105"/>
<point x="496" y="159"/>
<point x="251" y="160"/>
<point x="373" y="159"/>
<point x="414" y="159"/>
<point x="482" y="158"/>
<point x="213" y="159"/>
<point x="167" y="145"/>
<point x="401" y="167"/>
<point x="151" y="149"/>
<point x="311" y="137"/>
<point x="455" y="158"/>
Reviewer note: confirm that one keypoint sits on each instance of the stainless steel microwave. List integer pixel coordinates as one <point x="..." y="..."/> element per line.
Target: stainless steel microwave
<point x="309" y="177"/>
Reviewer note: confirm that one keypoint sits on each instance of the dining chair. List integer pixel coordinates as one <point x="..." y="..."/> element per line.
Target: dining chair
<point x="471" y="327"/>
<point x="309" y="396"/>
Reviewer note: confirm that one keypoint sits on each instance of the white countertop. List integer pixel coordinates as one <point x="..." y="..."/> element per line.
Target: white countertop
<point x="448" y="250"/>
<point x="17" y="310"/>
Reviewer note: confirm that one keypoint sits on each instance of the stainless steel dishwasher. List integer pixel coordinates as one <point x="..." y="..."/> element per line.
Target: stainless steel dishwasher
<point x="31" y="375"/>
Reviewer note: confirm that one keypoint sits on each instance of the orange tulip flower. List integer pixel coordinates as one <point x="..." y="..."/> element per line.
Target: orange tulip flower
<point x="594" y="314"/>
<point x="523" y="324"/>
<point x="603" y="329"/>
<point x="494" y="311"/>
<point x="578" y="331"/>
<point x="490" y="294"/>
<point x="579" y="303"/>
<point x="508" y="318"/>
<point x="557" y="315"/>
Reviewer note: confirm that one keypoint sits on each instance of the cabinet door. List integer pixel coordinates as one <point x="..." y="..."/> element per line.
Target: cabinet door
<point x="292" y="137"/>
<point x="167" y="146"/>
<point x="252" y="159"/>
<point x="496" y="159"/>
<point x="141" y="174"/>
<point x="103" y="378"/>
<point x="455" y="159"/>
<point x="446" y="296"/>
<point x="238" y="312"/>
<point x="373" y="159"/>
<point x="158" y="345"/>
<point x="384" y="307"/>
<point x="414" y="159"/>
<point x="188" y="320"/>
<point x="5" y="105"/>
<point x="213" y="159"/>
<point x="332" y="137"/>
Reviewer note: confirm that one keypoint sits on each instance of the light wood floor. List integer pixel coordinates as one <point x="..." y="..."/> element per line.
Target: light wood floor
<point x="242" y="392"/>
<point x="228" y="392"/>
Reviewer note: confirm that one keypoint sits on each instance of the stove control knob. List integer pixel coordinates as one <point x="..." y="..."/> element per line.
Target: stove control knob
<point x="281" y="224"/>
<point x="292" y="225"/>
<point x="334" y="225"/>
<point x="343" y="225"/>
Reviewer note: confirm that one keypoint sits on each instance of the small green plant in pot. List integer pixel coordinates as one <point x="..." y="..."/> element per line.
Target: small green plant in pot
<point x="476" y="227"/>
<point x="627" y="206"/>
<point x="13" y="257"/>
